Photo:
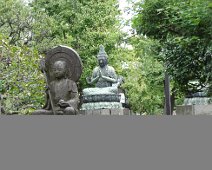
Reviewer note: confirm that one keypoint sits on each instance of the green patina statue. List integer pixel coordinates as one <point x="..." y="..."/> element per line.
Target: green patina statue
<point x="105" y="93"/>
<point x="103" y="75"/>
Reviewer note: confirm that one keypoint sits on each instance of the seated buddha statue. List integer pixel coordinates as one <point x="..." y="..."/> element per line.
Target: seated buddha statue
<point x="61" y="68"/>
<point x="64" y="94"/>
<point x="105" y="94"/>
<point x="104" y="77"/>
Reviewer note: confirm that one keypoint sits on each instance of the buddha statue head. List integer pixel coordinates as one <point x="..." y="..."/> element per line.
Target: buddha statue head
<point x="59" y="69"/>
<point x="102" y="56"/>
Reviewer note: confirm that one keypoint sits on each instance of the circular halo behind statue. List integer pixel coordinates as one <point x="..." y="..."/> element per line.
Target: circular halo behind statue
<point x="67" y="54"/>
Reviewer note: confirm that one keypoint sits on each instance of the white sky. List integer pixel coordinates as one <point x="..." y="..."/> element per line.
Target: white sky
<point x="127" y="14"/>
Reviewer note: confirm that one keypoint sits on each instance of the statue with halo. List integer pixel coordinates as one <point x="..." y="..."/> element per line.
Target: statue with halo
<point x="62" y="68"/>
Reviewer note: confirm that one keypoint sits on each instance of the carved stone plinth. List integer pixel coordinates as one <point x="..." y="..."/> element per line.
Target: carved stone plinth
<point x="101" y="98"/>
<point x="101" y="105"/>
<point x="197" y="101"/>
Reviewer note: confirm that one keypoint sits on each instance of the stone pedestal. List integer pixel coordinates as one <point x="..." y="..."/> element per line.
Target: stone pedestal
<point x="122" y="111"/>
<point x="194" y="110"/>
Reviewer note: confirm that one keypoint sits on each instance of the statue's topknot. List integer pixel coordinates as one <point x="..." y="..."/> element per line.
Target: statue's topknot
<point x="102" y="53"/>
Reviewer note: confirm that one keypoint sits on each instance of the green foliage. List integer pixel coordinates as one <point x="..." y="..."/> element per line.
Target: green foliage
<point x="22" y="82"/>
<point x="14" y="20"/>
<point x="184" y="31"/>
<point x="22" y="25"/>
<point x="144" y="78"/>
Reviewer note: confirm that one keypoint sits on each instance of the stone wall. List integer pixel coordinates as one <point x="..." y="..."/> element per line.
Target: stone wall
<point x="194" y="110"/>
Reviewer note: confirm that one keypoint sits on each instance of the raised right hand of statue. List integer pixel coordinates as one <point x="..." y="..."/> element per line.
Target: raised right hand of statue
<point x="100" y="73"/>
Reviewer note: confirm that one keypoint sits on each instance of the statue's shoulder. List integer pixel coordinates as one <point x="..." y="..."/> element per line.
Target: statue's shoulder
<point x="111" y="68"/>
<point x="96" y="69"/>
<point x="70" y="81"/>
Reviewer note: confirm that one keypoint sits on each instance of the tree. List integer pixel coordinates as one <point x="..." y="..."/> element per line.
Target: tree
<point x="22" y="82"/>
<point x="22" y="25"/>
<point x="184" y="30"/>
<point x="14" y="20"/>
<point x="84" y="25"/>
<point x="144" y="77"/>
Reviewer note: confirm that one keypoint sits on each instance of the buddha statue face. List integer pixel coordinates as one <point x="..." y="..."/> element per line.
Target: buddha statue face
<point x="59" y="69"/>
<point x="102" y="61"/>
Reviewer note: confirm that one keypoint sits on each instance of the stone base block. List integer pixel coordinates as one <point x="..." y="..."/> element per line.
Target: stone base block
<point x="194" y="110"/>
<point x="100" y="105"/>
<point x="122" y="111"/>
<point x="105" y="112"/>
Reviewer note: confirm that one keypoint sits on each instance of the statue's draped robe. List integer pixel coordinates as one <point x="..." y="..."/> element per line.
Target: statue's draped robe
<point x="103" y="86"/>
<point x="107" y="71"/>
<point x="64" y="89"/>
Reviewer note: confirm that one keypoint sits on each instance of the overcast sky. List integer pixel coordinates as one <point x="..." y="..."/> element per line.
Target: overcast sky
<point x="127" y="13"/>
